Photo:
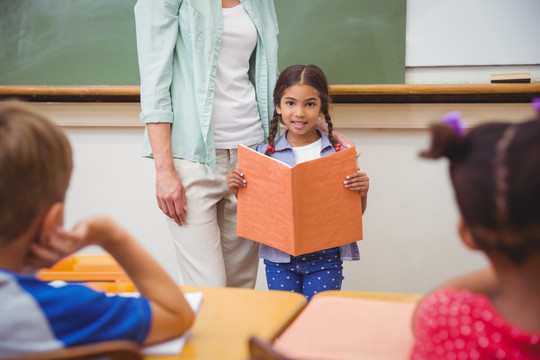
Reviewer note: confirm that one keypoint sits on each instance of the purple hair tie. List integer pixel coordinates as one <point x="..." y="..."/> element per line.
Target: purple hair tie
<point x="454" y="120"/>
<point x="536" y="103"/>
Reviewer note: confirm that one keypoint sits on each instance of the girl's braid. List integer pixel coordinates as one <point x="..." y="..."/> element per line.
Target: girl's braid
<point x="274" y="123"/>
<point x="330" y="128"/>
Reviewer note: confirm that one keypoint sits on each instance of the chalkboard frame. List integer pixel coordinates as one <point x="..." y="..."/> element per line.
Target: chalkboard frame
<point x="371" y="94"/>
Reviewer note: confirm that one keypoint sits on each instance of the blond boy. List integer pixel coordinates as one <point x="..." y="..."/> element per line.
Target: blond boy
<point x="35" y="168"/>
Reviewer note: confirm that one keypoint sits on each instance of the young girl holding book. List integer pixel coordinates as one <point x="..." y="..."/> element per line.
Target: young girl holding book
<point x="492" y="313"/>
<point x="300" y="98"/>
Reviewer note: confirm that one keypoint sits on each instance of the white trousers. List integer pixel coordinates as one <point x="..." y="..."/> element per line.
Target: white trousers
<point x="208" y="251"/>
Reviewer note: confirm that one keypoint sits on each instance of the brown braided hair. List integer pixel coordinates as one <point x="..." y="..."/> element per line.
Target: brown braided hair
<point x="301" y="74"/>
<point x="495" y="172"/>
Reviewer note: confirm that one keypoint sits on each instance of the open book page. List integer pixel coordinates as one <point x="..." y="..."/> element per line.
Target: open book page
<point x="300" y="209"/>
<point x="339" y="328"/>
<point x="265" y="208"/>
<point x="173" y="346"/>
<point x="327" y="214"/>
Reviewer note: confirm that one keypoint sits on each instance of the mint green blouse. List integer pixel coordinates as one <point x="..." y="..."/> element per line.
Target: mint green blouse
<point x="178" y="43"/>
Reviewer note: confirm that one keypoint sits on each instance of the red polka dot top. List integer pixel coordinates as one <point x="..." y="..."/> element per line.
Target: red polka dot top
<point x="458" y="325"/>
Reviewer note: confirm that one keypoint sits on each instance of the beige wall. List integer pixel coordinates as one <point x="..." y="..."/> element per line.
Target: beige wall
<point x="410" y="242"/>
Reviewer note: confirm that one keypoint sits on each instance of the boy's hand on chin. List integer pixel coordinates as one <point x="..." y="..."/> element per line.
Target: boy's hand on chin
<point x="44" y="253"/>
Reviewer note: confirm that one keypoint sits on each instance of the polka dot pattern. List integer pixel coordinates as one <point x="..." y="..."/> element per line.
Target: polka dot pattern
<point x="307" y="274"/>
<point x="459" y="325"/>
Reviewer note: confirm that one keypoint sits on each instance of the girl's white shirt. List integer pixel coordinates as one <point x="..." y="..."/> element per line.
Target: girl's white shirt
<point x="235" y="116"/>
<point x="308" y="152"/>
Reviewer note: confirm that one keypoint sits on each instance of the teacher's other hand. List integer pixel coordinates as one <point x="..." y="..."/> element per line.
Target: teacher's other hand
<point x="171" y="196"/>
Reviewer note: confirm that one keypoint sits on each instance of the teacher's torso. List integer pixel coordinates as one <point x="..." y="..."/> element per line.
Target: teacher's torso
<point x="191" y="73"/>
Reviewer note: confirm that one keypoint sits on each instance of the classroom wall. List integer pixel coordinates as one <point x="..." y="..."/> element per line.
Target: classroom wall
<point x="410" y="243"/>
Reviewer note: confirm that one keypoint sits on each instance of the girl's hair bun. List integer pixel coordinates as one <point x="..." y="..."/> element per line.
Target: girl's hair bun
<point x="446" y="137"/>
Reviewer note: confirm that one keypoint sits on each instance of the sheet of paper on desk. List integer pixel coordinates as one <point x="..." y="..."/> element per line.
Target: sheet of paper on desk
<point x="339" y="328"/>
<point x="174" y="346"/>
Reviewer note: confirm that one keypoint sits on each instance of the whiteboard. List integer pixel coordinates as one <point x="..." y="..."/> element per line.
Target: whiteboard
<point x="472" y="32"/>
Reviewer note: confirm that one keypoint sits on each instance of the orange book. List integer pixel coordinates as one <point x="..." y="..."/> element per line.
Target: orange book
<point x="298" y="209"/>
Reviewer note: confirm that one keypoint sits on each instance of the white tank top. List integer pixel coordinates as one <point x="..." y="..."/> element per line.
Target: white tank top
<point x="235" y="115"/>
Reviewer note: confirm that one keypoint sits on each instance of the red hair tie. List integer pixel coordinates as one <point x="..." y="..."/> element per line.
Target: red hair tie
<point x="271" y="149"/>
<point x="337" y="147"/>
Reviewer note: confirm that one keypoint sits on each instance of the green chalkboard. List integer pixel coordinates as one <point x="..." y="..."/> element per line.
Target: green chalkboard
<point x="92" y="42"/>
<point x="353" y="41"/>
<point x="68" y="42"/>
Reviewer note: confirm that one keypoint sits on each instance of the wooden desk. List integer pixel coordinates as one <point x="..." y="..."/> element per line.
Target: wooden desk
<point x="373" y="325"/>
<point x="228" y="317"/>
<point x="379" y="296"/>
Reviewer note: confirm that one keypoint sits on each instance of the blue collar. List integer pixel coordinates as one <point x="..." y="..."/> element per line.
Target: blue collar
<point x="282" y="143"/>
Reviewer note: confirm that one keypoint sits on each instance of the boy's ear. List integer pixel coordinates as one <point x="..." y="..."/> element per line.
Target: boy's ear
<point x="465" y="235"/>
<point x="54" y="218"/>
